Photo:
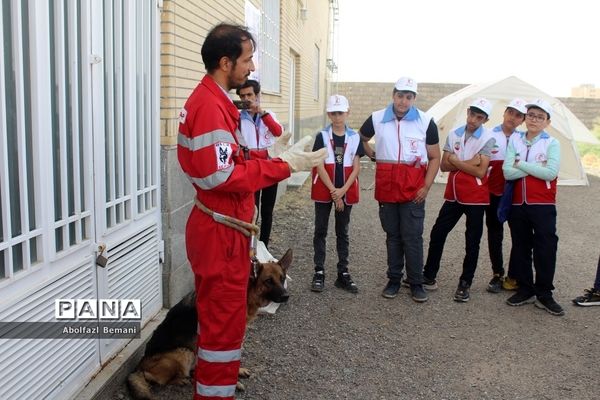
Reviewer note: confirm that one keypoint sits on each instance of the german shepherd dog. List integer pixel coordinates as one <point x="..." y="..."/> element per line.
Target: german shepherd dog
<point x="170" y="354"/>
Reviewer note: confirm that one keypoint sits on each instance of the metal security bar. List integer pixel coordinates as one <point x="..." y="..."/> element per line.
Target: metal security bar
<point x="130" y="173"/>
<point x="147" y="162"/>
<point x="72" y="215"/>
<point x="20" y="235"/>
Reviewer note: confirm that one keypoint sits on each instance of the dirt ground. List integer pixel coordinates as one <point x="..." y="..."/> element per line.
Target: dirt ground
<point x="336" y="345"/>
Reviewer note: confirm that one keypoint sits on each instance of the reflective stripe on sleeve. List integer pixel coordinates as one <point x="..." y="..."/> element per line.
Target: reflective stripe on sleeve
<point x="215" y="391"/>
<point x="213" y="180"/>
<point x="205" y="139"/>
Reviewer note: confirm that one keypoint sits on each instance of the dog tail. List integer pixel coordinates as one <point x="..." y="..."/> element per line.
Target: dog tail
<point x="139" y="386"/>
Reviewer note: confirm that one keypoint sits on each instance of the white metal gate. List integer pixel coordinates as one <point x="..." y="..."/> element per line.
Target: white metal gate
<point x="79" y="169"/>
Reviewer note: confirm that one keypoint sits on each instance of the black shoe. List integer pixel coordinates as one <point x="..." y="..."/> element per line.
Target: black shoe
<point x="418" y="294"/>
<point x="318" y="282"/>
<point x="391" y="289"/>
<point x="548" y="304"/>
<point x="495" y="285"/>
<point x="344" y="281"/>
<point x="429" y="284"/>
<point x="462" y="292"/>
<point x="591" y="297"/>
<point x="520" y="299"/>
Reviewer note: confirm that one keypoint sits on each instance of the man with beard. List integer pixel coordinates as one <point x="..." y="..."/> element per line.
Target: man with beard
<point x="210" y="152"/>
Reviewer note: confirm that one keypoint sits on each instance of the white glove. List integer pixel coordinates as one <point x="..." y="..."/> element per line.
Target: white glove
<point x="300" y="160"/>
<point x="281" y="144"/>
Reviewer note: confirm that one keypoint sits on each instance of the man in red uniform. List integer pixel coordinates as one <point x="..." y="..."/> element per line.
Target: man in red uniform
<point x="210" y="153"/>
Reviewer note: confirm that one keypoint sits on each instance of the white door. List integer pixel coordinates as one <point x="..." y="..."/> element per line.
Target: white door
<point x="126" y="157"/>
<point x="79" y="158"/>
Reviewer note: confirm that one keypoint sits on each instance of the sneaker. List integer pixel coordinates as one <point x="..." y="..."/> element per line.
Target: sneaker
<point x="462" y="292"/>
<point x="520" y="299"/>
<point x="344" y="281"/>
<point x="391" y="289"/>
<point x="418" y="294"/>
<point x="548" y="304"/>
<point x="495" y="285"/>
<point x="510" y="284"/>
<point x="429" y="284"/>
<point x="590" y="298"/>
<point x="318" y="282"/>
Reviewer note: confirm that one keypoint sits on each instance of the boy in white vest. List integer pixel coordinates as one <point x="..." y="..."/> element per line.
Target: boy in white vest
<point x="467" y="157"/>
<point x="407" y="156"/>
<point x="532" y="161"/>
<point x="335" y="183"/>
<point x="513" y="116"/>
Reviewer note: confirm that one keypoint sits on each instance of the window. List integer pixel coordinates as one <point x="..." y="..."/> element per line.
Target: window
<point x="316" y="73"/>
<point x="268" y="44"/>
<point x="19" y="189"/>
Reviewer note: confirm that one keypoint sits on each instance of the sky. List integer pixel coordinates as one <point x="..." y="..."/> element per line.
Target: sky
<point x="553" y="45"/>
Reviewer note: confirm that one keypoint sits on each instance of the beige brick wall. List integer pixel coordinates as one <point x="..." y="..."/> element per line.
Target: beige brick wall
<point x="366" y="97"/>
<point x="184" y="25"/>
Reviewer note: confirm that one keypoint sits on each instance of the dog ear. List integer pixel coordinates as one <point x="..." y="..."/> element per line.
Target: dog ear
<point x="286" y="260"/>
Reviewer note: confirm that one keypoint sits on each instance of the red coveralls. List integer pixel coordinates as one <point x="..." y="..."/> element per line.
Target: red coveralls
<point x="210" y="155"/>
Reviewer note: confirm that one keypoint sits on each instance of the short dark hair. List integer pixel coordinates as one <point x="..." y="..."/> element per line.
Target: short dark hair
<point x="403" y="91"/>
<point x="249" y="83"/>
<point x="224" y="40"/>
<point x="476" y="110"/>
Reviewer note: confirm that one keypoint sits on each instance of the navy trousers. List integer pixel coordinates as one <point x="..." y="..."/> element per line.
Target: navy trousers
<point x="449" y="215"/>
<point x="534" y="246"/>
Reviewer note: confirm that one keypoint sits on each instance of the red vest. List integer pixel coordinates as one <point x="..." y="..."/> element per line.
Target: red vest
<point x="462" y="187"/>
<point x="532" y="190"/>
<point x="401" y="152"/>
<point x="319" y="191"/>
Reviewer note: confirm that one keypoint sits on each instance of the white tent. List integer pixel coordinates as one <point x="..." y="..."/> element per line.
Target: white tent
<point x="451" y="112"/>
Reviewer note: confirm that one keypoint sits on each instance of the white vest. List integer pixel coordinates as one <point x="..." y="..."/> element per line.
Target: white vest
<point x="249" y="130"/>
<point x="499" y="150"/>
<point x="537" y="153"/>
<point x="472" y="147"/>
<point x="351" y="142"/>
<point x="401" y="141"/>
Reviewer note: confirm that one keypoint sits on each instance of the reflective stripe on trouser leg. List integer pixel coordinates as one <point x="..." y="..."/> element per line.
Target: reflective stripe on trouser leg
<point x="221" y="286"/>
<point x="215" y="391"/>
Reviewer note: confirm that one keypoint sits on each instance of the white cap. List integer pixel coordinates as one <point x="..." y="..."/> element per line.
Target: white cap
<point x="406" y="84"/>
<point x="337" y="102"/>
<point x="483" y="104"/>
<point x="519" y="105"/>
<point x="540" y="103"/>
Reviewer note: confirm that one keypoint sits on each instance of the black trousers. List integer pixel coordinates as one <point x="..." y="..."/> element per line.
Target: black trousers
<point x="495" y="233"/>
<point x="264" y="200"/>
<point x="534" y="242"/>
<point x="449" y="215"/>
<point x="342" y="225"/>
<point x="403" y="226"/>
